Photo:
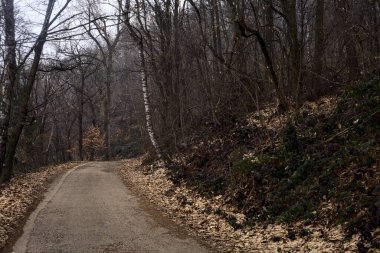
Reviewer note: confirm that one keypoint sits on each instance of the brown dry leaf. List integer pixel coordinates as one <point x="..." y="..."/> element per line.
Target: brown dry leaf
<point x="196" y="215"/>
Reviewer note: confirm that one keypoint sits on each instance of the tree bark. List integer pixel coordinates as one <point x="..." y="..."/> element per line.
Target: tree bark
<point x="319" y="48"/>
<point x="352" y="61"/>
<point x="282" y="104"/>
<point x="290" y="7"/>
<point x="80" y="115"/>
<point x="8" y="82"/>
<point x="269" y="28"/>
<point x="177" y="89"/>
<point x="21" y="110"/>
<point x="107" y="104"/>
<point x="137" y="36"/>
<point x="148" y="117"/>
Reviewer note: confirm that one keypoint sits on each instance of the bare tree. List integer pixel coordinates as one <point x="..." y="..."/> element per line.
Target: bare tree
<point x="137" y="36"/>
<point x="106" y="52"/>
<point x="21" y="109"/>
<point x="319" y="39"/>
<point x="8" y="81"/>
<point x="199" y="64"/>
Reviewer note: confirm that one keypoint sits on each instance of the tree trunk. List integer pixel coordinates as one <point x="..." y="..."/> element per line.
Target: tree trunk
<point x="148" y="117"/>
<point x="375" y="26"/>
<point x="352" y="61"/>
<point x="352" y="58"/>
<point x="282" y="103"/>
<point x="269" y="28"/>
<point x="80" y="116"/>
<point x="319" y="49"/>
<point x="290" y="8"/>
<point x="21" y="110"/>
<point x="107" y="105"/>
<point x="177" y="89"/>
<point x="218" y="36"/>
<point x="8" y="83"/>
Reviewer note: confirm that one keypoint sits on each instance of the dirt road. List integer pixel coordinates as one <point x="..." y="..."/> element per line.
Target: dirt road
<point x="89" y="209"/>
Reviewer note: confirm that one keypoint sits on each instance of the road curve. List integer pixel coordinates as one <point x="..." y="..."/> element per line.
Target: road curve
<point x="90" y="210"/>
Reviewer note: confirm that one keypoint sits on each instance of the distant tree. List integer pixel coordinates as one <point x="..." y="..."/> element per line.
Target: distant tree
<point x="93" y="142"/>
<point x="106" y="40"/>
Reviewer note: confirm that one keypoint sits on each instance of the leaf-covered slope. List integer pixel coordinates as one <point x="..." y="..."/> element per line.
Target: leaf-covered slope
<point x="318" y="166"/>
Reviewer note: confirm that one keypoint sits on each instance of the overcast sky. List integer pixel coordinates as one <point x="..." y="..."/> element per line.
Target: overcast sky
<point x="32" y="13"/>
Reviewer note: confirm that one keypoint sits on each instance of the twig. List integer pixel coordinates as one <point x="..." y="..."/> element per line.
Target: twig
<point x="351" y="127"/>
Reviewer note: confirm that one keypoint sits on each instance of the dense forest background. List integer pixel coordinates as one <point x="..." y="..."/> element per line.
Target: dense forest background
<point x="205" y="62"/>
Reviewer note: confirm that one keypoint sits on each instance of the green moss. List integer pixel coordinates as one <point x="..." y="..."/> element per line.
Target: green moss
<point x="252" y="164"/>
<point x="244" y="166"/>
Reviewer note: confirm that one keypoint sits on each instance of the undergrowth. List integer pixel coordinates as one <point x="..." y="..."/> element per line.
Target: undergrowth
<point x="316" y="166"/>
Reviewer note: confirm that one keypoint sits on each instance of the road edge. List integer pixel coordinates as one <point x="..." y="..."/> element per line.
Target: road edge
<point x="153" y="208"/>
<point x="20" y="245"/>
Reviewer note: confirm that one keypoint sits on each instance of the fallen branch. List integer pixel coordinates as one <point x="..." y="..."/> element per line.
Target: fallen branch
<point x="344" y="131"/>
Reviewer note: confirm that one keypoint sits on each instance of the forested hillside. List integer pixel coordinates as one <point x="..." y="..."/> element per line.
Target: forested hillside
<point x="272" y="105"/>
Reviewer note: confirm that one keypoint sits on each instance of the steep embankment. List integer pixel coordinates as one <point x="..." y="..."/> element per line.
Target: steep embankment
<point x="316" y="173"/>
<point x="218" y="223"/>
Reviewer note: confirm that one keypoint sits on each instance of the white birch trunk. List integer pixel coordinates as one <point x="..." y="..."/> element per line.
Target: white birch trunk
<point x="50" y="138"/>
<point x="144" y="84"/>
<point x="148" y="117"/>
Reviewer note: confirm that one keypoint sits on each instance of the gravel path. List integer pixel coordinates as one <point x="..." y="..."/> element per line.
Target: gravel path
<point x="89" y="209"/>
